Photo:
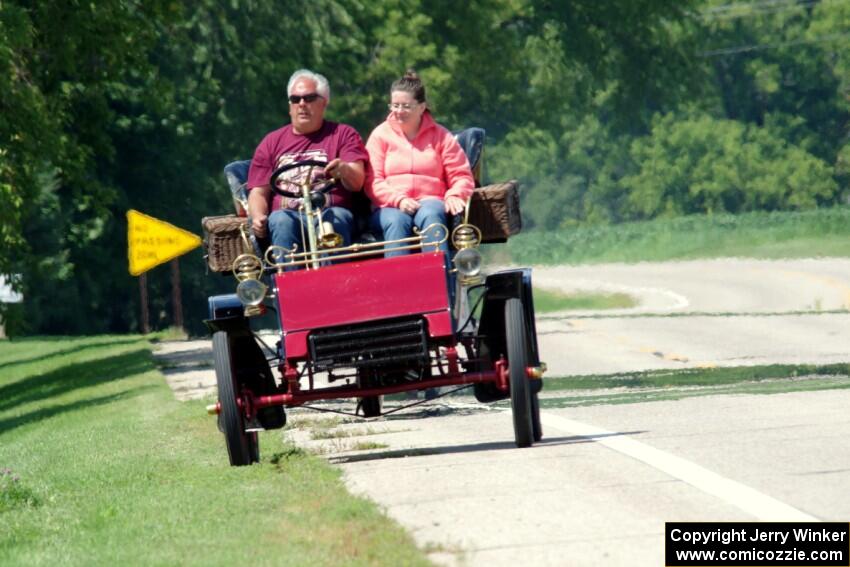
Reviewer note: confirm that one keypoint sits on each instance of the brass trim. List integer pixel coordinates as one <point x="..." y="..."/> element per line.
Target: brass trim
<point x="247" y="266"/>
<point x="243" y="231"/>
<point x="281" y="251"/>
<point x="295" y="259"/>
<point x="537" y="372"/>
<point x="253" y="310"/>
<point x="466" y="236"/>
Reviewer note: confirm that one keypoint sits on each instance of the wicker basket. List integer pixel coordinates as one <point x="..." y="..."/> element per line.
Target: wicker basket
<point x="495" y="211"/>
<point x="225" y="238"/>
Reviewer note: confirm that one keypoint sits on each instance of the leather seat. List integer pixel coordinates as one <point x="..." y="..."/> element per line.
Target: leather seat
<point x="471" y="141"/>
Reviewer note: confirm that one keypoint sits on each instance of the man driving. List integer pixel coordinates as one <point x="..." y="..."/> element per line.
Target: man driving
<point x="308" y="137"/>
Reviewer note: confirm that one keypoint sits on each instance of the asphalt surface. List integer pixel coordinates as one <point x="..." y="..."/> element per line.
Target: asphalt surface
<point x="700" y="314"/>
<point x="600" y="486"/>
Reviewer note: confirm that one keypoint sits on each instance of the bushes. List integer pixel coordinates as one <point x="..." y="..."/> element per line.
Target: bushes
<point x="684" y="165"/>
<point x="706" y="165"/>
<point x="820" y="232"/>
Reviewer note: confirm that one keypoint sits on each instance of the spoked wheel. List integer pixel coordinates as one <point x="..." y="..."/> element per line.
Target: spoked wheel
<point x="371" y="406"/>
<point x="536" y="426"/>
<point x="515" y="335"/>
<point x="243" y="448"/>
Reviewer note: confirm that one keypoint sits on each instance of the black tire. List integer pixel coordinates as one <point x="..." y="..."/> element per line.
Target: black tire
<point x="517" y="347"/>
<point x="371" y="406"/>
<point x="242" y="448"/>
<point x="536" y="426"/>
<point x="254" y="446"/>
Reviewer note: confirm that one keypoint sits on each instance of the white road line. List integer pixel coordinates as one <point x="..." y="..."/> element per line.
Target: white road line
<point x="751" y="501"/>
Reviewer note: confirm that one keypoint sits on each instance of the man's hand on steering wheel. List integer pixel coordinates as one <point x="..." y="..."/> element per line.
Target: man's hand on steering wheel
<point x="335" y="170"/>
<point x="316" y="185"/>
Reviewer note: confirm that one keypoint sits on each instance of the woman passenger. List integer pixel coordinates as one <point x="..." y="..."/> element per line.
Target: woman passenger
<point x="420" y="174"/>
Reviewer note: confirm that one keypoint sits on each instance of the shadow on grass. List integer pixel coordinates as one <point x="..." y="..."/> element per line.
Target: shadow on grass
<point x="63" y="352"/>
<point x="473" y="447"/>
<point x="75" y="376"/>
<point x="50" y="411"/>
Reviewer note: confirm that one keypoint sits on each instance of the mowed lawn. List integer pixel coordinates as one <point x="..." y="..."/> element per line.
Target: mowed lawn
<point x="100" y="465"/>
<point x="779" y="234"/>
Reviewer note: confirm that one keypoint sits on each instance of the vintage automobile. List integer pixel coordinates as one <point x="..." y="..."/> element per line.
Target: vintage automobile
<point x="353" y="324"/>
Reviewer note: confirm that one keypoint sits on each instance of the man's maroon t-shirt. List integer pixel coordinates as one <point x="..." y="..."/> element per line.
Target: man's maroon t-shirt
<point x="283" y="146"/>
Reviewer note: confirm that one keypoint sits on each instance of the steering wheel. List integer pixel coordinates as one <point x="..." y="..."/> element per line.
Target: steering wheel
<point x="316" y="186"/>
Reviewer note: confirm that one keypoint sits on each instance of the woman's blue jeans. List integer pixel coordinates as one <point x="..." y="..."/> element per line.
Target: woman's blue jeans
<point x="395" y="224"/>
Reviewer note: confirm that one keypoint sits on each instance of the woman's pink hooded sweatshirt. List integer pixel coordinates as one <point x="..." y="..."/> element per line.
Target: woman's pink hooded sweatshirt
<point x="432" y="165"/>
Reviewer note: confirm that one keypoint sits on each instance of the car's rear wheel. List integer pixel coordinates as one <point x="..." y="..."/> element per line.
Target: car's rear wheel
<point x="517" y="347"/>
<point x="371" y="406"/>
<point x="242" y="448"/>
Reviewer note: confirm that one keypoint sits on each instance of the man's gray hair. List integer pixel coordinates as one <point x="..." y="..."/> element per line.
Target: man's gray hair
<point x="322" y="86"/>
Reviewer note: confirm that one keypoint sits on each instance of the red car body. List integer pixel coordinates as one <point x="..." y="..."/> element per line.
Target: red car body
<point x="358" y="292"/>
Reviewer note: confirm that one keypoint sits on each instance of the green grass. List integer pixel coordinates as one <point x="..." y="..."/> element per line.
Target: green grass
<point x="368" y="446"/>
<point x="823" y="232"/>
<point x="326" y="433"/>
<point x="547" y="301"/>
<point x="100" y="465"/>
<point x="632" y="387"/>
<point x="695" y="376"/>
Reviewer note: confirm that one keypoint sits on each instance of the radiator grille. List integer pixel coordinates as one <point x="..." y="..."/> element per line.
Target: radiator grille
<point x="370" y="344"/>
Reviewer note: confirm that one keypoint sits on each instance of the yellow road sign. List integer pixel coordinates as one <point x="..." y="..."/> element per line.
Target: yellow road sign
<point x="151" y="242"/>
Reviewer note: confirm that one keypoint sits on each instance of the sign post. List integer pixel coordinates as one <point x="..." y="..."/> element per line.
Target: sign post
<point x="143" y="300"/>
<point x="176" y="295"/>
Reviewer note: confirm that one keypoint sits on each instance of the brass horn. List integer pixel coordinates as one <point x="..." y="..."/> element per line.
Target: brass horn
<point x="327" y="237"/>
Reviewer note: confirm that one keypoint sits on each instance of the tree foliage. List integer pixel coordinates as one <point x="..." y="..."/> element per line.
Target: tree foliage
<point x="605" y="111"/>
<point x="705" y="165"/>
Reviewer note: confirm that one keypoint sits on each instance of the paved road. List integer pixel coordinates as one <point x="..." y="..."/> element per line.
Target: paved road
<point x="700" y="314"/>
<point x="601" y="485"/>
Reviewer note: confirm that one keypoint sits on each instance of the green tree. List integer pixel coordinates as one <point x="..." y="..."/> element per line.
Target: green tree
<point x="26" y="127"/>
<point x="703" y="165"/>
<point x="605" y="111"/>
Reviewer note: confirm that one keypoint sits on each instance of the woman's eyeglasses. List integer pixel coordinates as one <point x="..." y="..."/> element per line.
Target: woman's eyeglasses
<point x="396" y="106"/>
<point x="308" y="98"/>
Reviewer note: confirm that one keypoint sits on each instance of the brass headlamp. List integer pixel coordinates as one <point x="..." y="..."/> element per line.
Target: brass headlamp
<point x="247" y="269"/>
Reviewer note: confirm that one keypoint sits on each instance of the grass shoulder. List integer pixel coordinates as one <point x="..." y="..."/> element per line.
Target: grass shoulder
<point x="102" y="466"/>
<point x="549" y="301"/>
<point x="785" y="234"/>
<point x="653" y="385"/>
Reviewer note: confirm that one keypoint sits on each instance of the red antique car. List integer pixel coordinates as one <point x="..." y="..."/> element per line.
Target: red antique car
<point x="370" y="326"/>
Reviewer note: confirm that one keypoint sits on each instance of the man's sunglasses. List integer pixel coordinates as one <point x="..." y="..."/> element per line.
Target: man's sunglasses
<point x="308" y="98"/>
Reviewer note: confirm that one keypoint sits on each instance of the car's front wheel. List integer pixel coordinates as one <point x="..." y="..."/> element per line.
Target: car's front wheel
<point x="242" y="447"/>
